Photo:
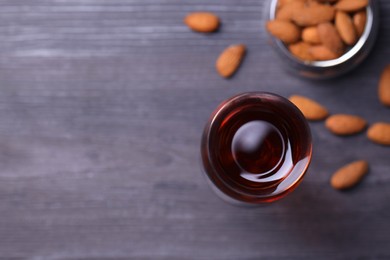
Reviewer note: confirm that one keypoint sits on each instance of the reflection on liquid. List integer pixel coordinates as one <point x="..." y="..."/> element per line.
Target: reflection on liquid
<point x="258" y="148"/>
<point x="275" y="174"/>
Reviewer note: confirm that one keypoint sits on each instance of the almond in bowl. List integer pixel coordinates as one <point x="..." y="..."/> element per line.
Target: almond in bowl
<point x="322" y="38"/>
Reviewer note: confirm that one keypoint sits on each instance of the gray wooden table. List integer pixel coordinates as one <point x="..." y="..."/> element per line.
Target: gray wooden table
<point x="102" y="105"/>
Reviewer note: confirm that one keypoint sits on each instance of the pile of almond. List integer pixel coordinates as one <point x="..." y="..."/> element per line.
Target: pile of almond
<point x="345" y="124"/>
<point x="318" y="30"/>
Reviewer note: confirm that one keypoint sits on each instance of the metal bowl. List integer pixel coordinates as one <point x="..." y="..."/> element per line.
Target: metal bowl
<point x="330" y="68"/>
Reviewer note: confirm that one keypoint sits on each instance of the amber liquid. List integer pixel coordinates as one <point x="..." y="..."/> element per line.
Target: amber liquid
<point x="257" y="148"/>
<point x="256" y="151"/>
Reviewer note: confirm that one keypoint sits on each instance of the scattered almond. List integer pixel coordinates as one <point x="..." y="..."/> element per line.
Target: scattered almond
<point x="384" y="87"/>
<point x="301" y="51"/>
<point x="349" y="175"/>
<point x="379" y="133"/>
<point x="321" y="53"/>
<point x="309" y="108"/>
<point x="202" y="22"/>
<point x="359" y="20"/>
<point x="351" y="5"/>
<point x="284" y="31"/>
<point x="346" y="28"/>
<point x="310" y="35"/>
<point x="330" y="38"/>
<point x="313" y="13"/>
<point x="230" y="59"/>
<point x="342" y="124"/>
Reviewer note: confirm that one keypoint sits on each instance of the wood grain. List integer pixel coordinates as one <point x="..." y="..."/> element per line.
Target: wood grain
<point x="102" y="105"/>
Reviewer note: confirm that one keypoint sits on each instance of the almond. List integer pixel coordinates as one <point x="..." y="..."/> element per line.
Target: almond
<point x="309" y="108"/>
<point x="379" y="133"/>
<point x="342" y="124"/>
<point x="349" y="175"/>
<point x="384" y="87"/>
<point x="327" y="1"/>
<point x="330" y="38"/>
<point x="284" y="31"/>
<point x="202" y="22"/>
<point x="230" y="59"/>
<point x="359" y="20"/>
<point x="322" y="53"/>
<point x="351" y="5"/>
<point x="282" y="3"/>
<point x="301" y="51"/>
<point x="313" y="14"/>
<point x="345" y="27"/>
<point x="287" y="10"/>
<point x="310" y="35"/>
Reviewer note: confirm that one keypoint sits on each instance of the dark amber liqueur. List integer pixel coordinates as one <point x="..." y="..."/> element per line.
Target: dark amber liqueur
<point x="256" y="148"/>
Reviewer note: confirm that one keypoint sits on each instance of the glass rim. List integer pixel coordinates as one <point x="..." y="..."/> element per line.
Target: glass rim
<point x="208" y="164"/>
